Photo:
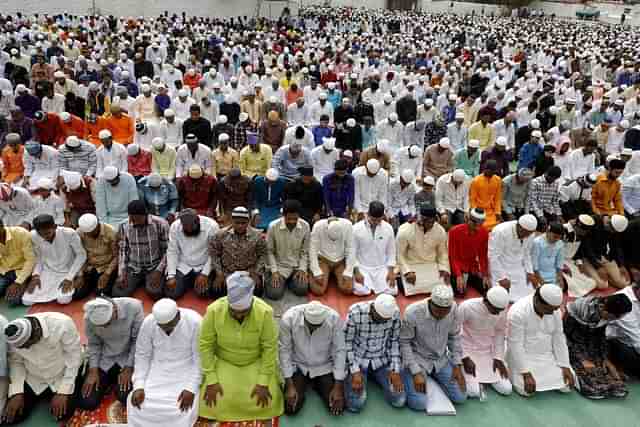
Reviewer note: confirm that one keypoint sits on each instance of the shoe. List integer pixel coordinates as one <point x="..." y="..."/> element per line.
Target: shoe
<point x="594" y="396"/>
<point x="619" y="394"/>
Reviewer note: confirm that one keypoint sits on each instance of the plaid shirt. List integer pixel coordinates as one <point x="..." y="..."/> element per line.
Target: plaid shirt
<point x="543" y="197"/>
<point x="143" y="249"/>
<point x="231" y="252"/>
<point x="82" y="160"/>
<point x="240" y="134"/>
<point x="370" y="344"/>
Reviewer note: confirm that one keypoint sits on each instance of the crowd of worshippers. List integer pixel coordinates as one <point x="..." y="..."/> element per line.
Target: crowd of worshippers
<point x="496" y="153"/>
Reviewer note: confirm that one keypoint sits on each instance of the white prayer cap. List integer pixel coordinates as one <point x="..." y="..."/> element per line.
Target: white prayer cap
<point x="21" y="88"/>
<point x="104" y="134"/>
<point x="475" y="143"/>
<point x="429" y="102"/>
<point x="157" y="142"/>
<point x="87" y="223"/>
<point x="453" y="97"/>
<point x="536" y="134"/>
<point x="587" y="220"/>
<point x="110" y="173"/>
<point x="329" y="143"/>
<point x="387" y="98"/>
<point x="407" y="175"/>
<point x="551" y="294"/>
<point x="322" y="95"/>
<point x="459" y="175"/>
<point x="45" y="184"/>
<point x="334" y="230"/>
<point x="169" y="112"/>
<point x="477" y="215"/>
<point x="444" y="143"/>
<point x="535" y="124"/>
<point x="351" y="122"/>
<point x="393" y="117"/>
<point x="442" y="296"/>
<point x="382" y="145"/>
<point x="195" y="171"/>
<point x="72" y="180"/>
<point x="133" y="149"/>
<point x="626" y="152"/>
<point x="154" y="180"/>
<point x="429" y="180"/>
<point x="272" y="174"/>
<point x="146" y="87"/>
<point x="459" y="115"/>
<point x="73" y="141"/>
<point x="240" y="290"/>
<point x="223" y="137"/>
<point x="498" y="297"/>
<point x="625" y="124"/>
<point x="373" y="166"/>
<point x="385" y="305"/>
<point x="98" y="311"/>
<point x="222" y="119"/>
<point x="315" y="312"/>
<point x="415" y="151"/>
<point x="18" y="332"/>
<point x="347" y="153"/>
<point x="528" y="222"/>
<point x="243" y="116"/>
<point x="183" y="93"/>
<point x="619" y="223"/>
<point x="164" y="311"/>
<point x="65" y="117"/>
<point x="58" y="75"/>
<point x="501" y="141"/>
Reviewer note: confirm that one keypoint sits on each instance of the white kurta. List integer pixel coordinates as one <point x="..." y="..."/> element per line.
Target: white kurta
<point x="165" y="366"/>
<point x="483" y="337"/>
<point x="323" y="162"/>
<point x="510" y="258"/>
<point x="45" y="166"/>
<point x="369" y="188"/>
<point x="375" y="253"/>
<point x="55" y="262"/>
<point x="536" y="345"/>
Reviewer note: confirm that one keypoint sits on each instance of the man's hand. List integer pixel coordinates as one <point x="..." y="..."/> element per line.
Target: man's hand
<point x="529" y="383"/>
<point x="458" y="376"/>
<point x="301" y="277"/>
<point x="391" y="278"/>
<point x="14" y="291"/>
<point x="263" y="397"/>
<point x="446" y="277"/>
<point x="276" y="280"/>
<point x="291" y="395"/>
<point x="14" y="408"/>
<point x="137" y="398"/>
<point x="444" y="219"/>
<point x="461" y="285"/>
<point x="185" y="400"/>
<point x="420" y="383"/>
<point x="396" y="382"/>
<point x="91" y="382"/>
<point x="505" y="283"/>
<point x="211" y="394"/>
<point x="336" y="398"/>
<point x="218" y="282"/>
<point x="469" y="366"/>
<point x="59" y="405"/>
<point x="357" y="382"/>
<point x="171" y="284"/>
<point x="534" y="279"/>
<point x="66" y="286"/>
<point x="103" y="281"/>
<point x="124" y="379"/>
<point x="498" y="365"/>
<point x="201" y="283"/>
<point x="122" y="281"/>
<point x="410" y="278"/>
<point x="33" y="284"/>
<point x="171" y="217"/>
<point x="359" y="278"/>
<point x="486" y="282"/>
<point x="155" y="280"/>
<point x="567" y="375"/>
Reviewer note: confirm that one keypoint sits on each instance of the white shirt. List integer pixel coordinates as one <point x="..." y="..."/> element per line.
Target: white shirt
<point x="369" y="189"/>
<point x="53" y="362"/>
<point x="457" y="136"/>
<point x="509" y="256"/>
<point x="52" y="205"/>
<point x="401" y="200"/>
<point x="210" y="112"/>
<point x="19" y="209"/>
<point x="64" y="255"/>
<point x="311" y="95"/>
<point x="172" y="132"/>
<point x="307" y="140"/>
<point x="573" y="191"/>
<point x="298" y="115"/>
<point x="374" y="248"/>
<point x="317" y="110"/>
<point x="53" y="105"/>
<point x="394" y="133"/>
<point x="323" y="162"/>
<point x="332" y="250"/>
<point x="116" y="156"/>
<point x="508" y="132"/>
<point x="45" y="166"/>
<point x="615" y="141"/>
<point x="186" y="253"/>
<point x="627" y="328"/>
<point x="184" y="159"/>
<point x="382" y="110"/>
<point x="450" y="198"/>
<point x="182" y="108"/>
<point x="401" y="161"/>
<point x="581" y="165"/>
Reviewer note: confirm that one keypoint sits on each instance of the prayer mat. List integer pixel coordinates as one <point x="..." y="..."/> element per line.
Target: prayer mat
<point x="109" y="412"/>
<point x="275" y="422"/>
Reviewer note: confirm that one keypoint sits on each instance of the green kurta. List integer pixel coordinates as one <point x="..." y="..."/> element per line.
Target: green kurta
<point x="239" y="356"/>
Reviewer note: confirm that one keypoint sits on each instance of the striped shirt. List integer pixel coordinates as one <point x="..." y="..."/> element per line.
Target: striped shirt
<point x="82" y="160"/>
<point x="370" y="344"/>
<point x="142" y="249"/>
<point x="543" y="197"/>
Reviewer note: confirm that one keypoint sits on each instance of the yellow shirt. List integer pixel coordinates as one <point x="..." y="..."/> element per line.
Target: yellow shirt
<point x="252" y="163"/>
<point x="17" y="254"/>
<point x="222" y="162"/>
<point x="485" y="134"/>
<point x="164" y="163"/>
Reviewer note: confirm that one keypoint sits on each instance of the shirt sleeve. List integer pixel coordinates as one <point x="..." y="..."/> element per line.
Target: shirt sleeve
<point x="269" y="346"/>
<point x="271" y="249"/>
<point x="29" y="260"/>
<point x="72" y="352"/>
<point x="495" y="253"/>
<point x="172" y="252"/>
<point x="80" y="256"/>
<point x="559" y="342"/>
<point x="338" y="352"/>
<point x="516" y="340"/>
<point x="135" y="331"/>
<point x="394" y="350"/>
<point x="314" y="244"/>
<point x="17" y="373"/>
<point x="286" y="346"/>
<point x="403" y="246"/>
<point x="94" y="345"/>
<point x="407" y="337"/>
<point x="350" y="332"/>
<point x="454" y="340"/>
<point x="144" y="353"/>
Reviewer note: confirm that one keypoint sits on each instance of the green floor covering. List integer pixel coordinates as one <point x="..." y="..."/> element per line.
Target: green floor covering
<point x="544" y="410"/>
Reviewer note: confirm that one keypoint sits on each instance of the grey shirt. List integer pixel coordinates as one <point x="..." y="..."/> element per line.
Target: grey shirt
<point x="4" y="369"/>
<point x="288" y="251"/>
<point x="427" y="343"/>
<point x="514" y="195"/>
<point x="116" y="342"/>
<point x="316" y="354"/>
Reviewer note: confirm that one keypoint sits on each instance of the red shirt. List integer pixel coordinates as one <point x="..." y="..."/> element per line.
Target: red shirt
<point x="468" y="251"/>
<point x="140" y="164"/>
<point x="50" y="132"/>
<point x="199" y="194"/>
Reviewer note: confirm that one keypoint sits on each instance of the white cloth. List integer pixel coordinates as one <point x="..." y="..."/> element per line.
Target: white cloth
<point x="45" y="166"/>
<point x="306" y="141"/>
<point x="185" y="253"/>
<point x="450" y="198"/>
<point x="375" y="253"/>
<point x="159" y="357"/>
<point x="116" y="157"/>
<point x="19" y="209"/>
<point x="401" y="200"/>
<point x="457" y="136"/>
<point x="298" y="115"/>
<point x="401" y="161"/>
<point x="510" y="258"/>
<point x="381" y="111"/>
<point x="52" y="362"/>
<point x="171" y="132"/>
<point x="184" y="159"/>
<point x="316" y="110"/>
<point x="59" y="260"/>
<point x="323" y="162"/>
<point x="52" y="205"/>
<point x="393" y="133"/>
<point x="536" y="345"/>
<point x="53" y="105"/>
<point x="483" y="338"/>
<point x="182" y="108"/>
<point x="333" y="250"/>
<point x="369" y="189"/>
<point x="581" y="165"/>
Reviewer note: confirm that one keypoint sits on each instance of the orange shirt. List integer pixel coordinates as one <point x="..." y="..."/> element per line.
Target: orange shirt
<point x="74" y="127"/>
<point x="606" y="196"/>
<point x="122" y="128"/>
<point x="93" y="129"/>
<point x="486" y="193"/>
<point x="12" y="163"/>
<point x="292" y="96"/>
<point x="192" y="81"/>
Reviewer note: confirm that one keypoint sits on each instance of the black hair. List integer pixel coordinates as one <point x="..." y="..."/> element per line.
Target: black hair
<point x="556" y="228"/>
<point x="291" y="206"/>
<point x="616" y="164"/>
<point x="43" y="221"/>
<point x="376" y="209"/>
<point x="617" y="304"/>
<point x="554" y="172"/>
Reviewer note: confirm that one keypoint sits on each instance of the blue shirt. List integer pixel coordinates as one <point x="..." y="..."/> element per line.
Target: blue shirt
<point x="368" y="137"/>
<point x="288" y="165"/>
<point x="338" y="198"/>
<point x="528" y="155"/>
<point x="319" y="133"/>
<point x="335" y="98"/>
<point x="547" y="258"/>
<point x="160" y="201"/>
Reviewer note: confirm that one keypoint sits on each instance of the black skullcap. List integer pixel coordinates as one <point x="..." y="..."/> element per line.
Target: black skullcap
<point x="137" y="207"/>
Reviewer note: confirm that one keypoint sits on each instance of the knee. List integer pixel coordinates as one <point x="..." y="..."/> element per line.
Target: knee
<point x="459" y="397"/>
<point x="300" y="290"/>
<point x="356" y="403"/>
<point x="122" y="396"/>
<point x="473" y="390"/>
<point x="173" y="294"/>
<point x="504" y="388"/>
<point x="89" y="403"/>
<point x="64" y="300"/>
<point x="274" y="293"/>
<point x="398" y="400"/>
<point x="417" y="401"/>
<point x="154" y="294"/>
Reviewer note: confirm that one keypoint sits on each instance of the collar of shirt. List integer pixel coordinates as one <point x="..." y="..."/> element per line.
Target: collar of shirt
<point x="283" y="225"/>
